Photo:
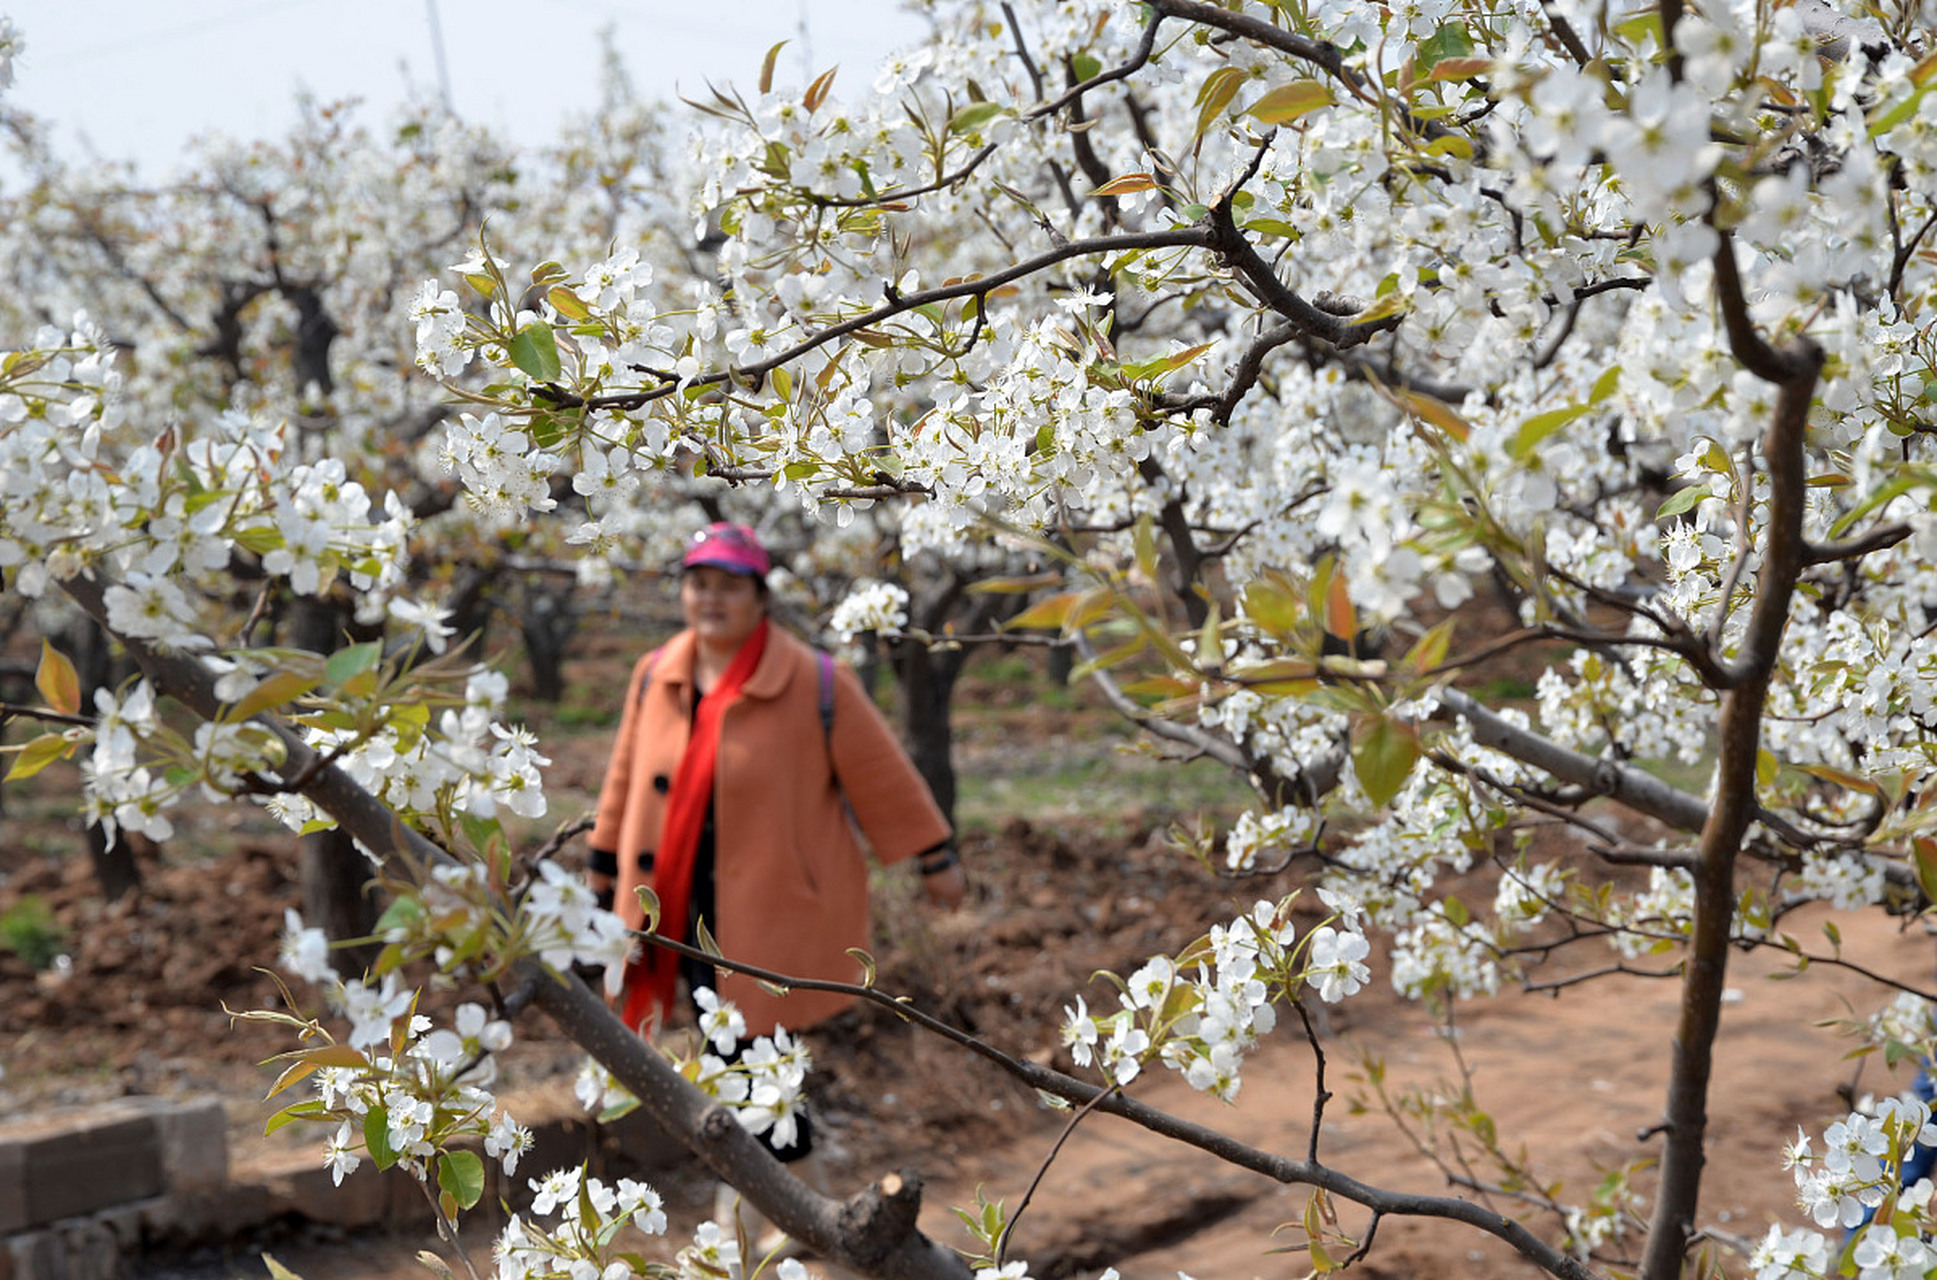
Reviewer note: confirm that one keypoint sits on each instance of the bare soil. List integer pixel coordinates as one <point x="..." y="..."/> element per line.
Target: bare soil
<point x="1574" y="1079"/>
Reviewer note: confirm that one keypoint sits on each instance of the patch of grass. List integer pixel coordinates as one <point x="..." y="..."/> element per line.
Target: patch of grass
<point x="29" y="930"/>
<point x="1109" y="791"/>
<point x="1503" y="689"/>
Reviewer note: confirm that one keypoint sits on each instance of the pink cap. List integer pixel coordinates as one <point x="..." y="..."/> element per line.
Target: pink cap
<point x="732" y="547"/>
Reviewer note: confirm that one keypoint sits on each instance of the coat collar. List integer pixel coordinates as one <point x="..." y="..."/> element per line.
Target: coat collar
<point x="675" y="665"/>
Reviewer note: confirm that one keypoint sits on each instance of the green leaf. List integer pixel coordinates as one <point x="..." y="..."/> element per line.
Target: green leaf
<point x="568" y="304"/>
<point x="546" y="429"/>
<point x="1539" y="427"/>
<point x="1288" y="102"/>
<point x="1605" y="385"/>
<point x="1450" y="41"/>
<point x="272" y="691"/>
<point x="37" y="755"/>
<point x="1681" y="500"/>
<point x="766" y="67"/>
<point x="461" y="1173"/>
<point x="1144" y="539"/>
<point x="1271" y="606"/>
<point x="1384" y="751"/>
<point x="404" y="912"/>
<point x="1219" y="88"/>
<point x="1085" y="66"/>
<point x="535" y="351"/>
<point x="292" y="1113"/>
<point x="57" y="680"/>
<point x="1274" y="227"/>
<point x="975" y="115"/>
<point x="1430" y="649"/>
<point x="346" y="664"/>
<point x="376" y="1136"/>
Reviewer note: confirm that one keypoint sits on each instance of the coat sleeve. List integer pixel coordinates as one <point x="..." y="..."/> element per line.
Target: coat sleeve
<point x="890" y="801"/>
<point x="618" y="770"/>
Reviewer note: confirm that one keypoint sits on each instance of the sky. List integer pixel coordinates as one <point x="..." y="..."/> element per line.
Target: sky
<point x="136" y="79"/>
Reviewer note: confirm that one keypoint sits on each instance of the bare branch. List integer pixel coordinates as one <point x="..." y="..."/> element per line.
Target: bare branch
<point x="900" y="304"/>
<point x="1856" y="548"/>
<point x="16" y="711"/>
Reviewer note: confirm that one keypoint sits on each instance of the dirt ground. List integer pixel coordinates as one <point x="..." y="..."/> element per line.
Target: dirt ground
<point x="1575" y="1080"/>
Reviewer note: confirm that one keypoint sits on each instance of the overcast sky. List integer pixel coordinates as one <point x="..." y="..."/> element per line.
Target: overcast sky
<point x="138" y="78"/>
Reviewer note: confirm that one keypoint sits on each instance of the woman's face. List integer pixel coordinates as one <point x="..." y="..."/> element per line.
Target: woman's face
<point x="723" y="608"/>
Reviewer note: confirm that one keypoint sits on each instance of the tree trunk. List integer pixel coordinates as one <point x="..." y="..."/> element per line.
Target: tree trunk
<point x="115" y="869"/>
<point x="927" y="684"/>
<point x="547" y="623"/>
<point x="332" y="872"/>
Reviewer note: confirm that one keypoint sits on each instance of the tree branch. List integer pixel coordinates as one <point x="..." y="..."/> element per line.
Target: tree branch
<point x="1739" y="738"/>
<point x="854" y="1233"/>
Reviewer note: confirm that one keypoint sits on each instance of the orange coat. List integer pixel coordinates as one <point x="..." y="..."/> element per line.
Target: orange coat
<point x="791" y="880"/>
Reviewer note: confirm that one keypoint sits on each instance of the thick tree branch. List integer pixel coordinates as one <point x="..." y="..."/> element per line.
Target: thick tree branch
<point x="1623" y="783"/>
<point x="1261" y="278"/>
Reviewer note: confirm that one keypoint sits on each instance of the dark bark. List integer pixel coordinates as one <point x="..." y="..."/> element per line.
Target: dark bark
<point x="547" y="623"/>
<point x="333" y="875"/>
<point x="115" y="869"/>
<point x="927" y="677"/>
<point x="470" y="604"/>
<point x="1739" y="735"/>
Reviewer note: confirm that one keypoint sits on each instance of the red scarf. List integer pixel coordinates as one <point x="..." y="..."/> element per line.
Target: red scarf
<point x="651" y="976"/>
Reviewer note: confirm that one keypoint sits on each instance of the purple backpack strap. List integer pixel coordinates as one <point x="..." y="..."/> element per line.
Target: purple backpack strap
<point x="827" y="694"/>
<point x="645" y="682"/>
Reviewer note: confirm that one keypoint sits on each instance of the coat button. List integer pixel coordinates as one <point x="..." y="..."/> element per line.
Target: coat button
<point x="645" y="861"/>
<point x="661" y="783"/>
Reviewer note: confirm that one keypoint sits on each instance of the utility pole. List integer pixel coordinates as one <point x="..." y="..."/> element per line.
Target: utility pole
<point x="437" y="48"/>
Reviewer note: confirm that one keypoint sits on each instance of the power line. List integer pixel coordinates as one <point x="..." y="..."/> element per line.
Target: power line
<point x="251" y="13"/>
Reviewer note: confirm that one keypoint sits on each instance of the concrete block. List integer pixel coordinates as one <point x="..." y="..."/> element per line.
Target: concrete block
<point x="93" y="1252"/>
<point x="38" y="1255"/>
<point x="194" y="1138"/>
<point x="13" y="1188"/>
<point x="69" y="1164"/>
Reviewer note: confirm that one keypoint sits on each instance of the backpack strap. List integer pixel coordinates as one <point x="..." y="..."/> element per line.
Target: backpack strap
<point x="645" y="681"/>
<point x="827" y="694"/>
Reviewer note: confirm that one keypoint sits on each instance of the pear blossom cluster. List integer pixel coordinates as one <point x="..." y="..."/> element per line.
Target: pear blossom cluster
<point x="1201" y="1012"/>
<point x="762" y="1082"/>
<point x="1856" y="1184"/>
<point x="589" y="1211"/>
<point x="415" y="1090"/>
<point x="880" y="607"/>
